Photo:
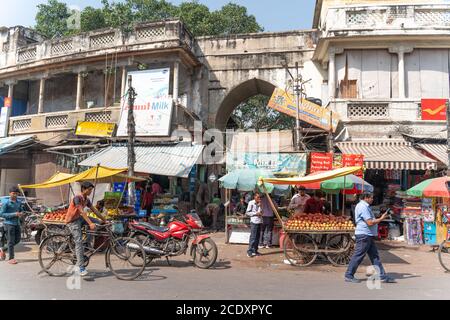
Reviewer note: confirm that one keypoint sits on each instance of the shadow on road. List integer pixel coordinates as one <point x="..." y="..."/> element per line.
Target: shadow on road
<point x="146" y="276"/>
<point x="220" y="265"/>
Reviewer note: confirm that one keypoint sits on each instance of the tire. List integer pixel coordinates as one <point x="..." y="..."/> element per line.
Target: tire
<point x="201" y="251"/>
<point x="56" y="249"/>
<point x="40" y="236"/>
<point x="142" y="240"/>
<point x="121" y="251"/>
<point x="293" y="245"/>
<point x="340" y="242"/>
<point x="444" y="255"/>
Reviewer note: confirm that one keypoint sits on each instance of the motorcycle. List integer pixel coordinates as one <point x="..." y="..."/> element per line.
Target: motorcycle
<point x="174" y="239"/>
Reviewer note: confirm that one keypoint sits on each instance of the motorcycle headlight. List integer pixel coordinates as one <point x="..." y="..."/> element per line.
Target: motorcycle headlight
<point x="199" y="223"/>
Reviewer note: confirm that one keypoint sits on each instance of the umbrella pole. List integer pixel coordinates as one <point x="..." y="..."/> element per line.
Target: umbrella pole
<point x="343" y="198"/>
<point x="26" y="200"/>
<point x="95" y="183"/>
<point x="273" y="206"/>
<point x="226" y="215"/>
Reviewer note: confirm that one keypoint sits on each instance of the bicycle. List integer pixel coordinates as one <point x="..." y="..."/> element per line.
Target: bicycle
<point x="59" y="251"/>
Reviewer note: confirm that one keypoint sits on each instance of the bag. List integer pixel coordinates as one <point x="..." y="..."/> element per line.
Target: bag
<point x="118" y="228"/>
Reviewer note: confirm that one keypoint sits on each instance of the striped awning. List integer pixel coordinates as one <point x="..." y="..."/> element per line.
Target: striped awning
<point x="388" y="155"/>
<point x="439" y="151"/>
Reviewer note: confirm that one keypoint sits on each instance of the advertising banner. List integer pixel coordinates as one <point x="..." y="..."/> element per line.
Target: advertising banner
<point x="95" y="129"/>
<point x="434" y="109"/>
<point x="310" y="112"/>
<point x="282" y="163"/>
<point x="321" y="162"/>
<point x="353" y="160"/>
<point x="153" y="107"/>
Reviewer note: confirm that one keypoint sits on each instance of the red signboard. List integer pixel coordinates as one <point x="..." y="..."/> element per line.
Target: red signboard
<point x="434" y="109"/>
<point x="8" y="102"/>
<point x="321" y="162"/>
<point x="353" y="160"/>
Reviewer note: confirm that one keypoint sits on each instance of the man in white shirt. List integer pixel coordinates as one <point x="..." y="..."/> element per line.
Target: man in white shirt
<point x="298" y="201"/>
<point x="254" y="211"/>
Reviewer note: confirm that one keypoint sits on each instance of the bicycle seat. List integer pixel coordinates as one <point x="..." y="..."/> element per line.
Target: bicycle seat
<point x="152" y="227"/>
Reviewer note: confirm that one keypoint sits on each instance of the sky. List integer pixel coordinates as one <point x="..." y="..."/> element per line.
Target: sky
<point x="278" y="15"/>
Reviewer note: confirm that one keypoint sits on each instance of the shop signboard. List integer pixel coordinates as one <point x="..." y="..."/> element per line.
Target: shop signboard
<point x="153" y="107"/>
<point x="354" y="160"/>
<point x="95" y="129"/>
<point x="321" y="162"/>
<point x="309" y="112"/>
<point x="4" y="114"/>
<point x="434" y="109"/>
<point x="281" y="163"/>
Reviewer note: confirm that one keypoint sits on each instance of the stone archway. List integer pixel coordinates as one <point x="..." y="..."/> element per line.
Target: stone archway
<point x="240" y="94"/>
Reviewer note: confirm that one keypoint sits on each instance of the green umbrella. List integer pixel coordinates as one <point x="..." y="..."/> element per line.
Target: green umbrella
<point x="350" y="183"/>
<point x="247" y="180"/>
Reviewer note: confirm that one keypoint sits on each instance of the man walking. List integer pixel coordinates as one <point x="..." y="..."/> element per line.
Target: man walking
<point x="268" y="221"/>
<point x="366" y="232"/>
<point x="254" y="211"/>
<point x="298" y="201"/>
<point x="11" y="211"/>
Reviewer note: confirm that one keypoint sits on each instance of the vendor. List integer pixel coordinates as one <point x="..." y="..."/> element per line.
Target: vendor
<point x="241" y="207"/>
<point x="147" y="201"/>
<point x="314" y="204"/>
<point x="298" y="201"/>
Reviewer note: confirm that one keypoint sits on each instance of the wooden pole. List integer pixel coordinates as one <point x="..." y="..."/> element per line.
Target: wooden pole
<point x="343" y="198"/>
<point x="273" y="206"/>
<point x="95" y="182"/>
<point x="226" y="215"/>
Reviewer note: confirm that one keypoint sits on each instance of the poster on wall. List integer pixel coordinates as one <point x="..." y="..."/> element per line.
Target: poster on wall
<point x="281" y="163"/>
<point x="434" y="109"/>
<point x="321" y="162"/>
<point x="153" y="107"/>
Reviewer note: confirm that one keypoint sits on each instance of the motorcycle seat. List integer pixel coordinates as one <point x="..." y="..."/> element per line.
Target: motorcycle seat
<point x="153" y="227"/>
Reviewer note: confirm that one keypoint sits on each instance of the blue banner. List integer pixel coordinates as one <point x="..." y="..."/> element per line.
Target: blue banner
<point x="285" y="163"/>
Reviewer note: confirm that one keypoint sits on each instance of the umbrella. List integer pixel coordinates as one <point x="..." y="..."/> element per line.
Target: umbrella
<point x="431" y="188"/>
<point x="350" y="184"/>
<point x="247" y="180"/>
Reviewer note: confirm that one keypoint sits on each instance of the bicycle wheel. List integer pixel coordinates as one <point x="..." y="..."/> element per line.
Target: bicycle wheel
<point x="144" y="242"/>
<point x="126" y="258"/>
<point x="55" y="256"/>
<point x="444" y="255"/>
<point x="343" y="243"/>
<point x="300" y="250"/>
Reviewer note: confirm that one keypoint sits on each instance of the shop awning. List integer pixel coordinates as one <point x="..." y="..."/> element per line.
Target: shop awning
<point x="388" y="155"/>
<point x="11" y="144"/>
<point x="169" y="160"/>
<point x="439" y="151"/>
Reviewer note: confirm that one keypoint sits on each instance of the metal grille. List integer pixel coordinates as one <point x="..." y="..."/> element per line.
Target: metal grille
<point x="368" y="111"/>
<point x="62" y="47"/>
<point x="21" y="125"/>
<point x="432" y="17"/>
<point x="151" y="33"/>
<point x="98" y="117"/>
<point x="60" y="121"/>
<point x="26" y="55"/>
<point x="102" y="40"/>
<point x="366" y="17"/>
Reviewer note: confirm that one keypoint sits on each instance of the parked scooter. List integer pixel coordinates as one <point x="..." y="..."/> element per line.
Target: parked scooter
<point x="174" y="239"/>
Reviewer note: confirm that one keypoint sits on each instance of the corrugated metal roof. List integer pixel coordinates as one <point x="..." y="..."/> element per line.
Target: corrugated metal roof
<point x="439" y="151"/>
<point x="172" y="161"/>
<point x="389" y="154"/>
<point x="8" y="144"/>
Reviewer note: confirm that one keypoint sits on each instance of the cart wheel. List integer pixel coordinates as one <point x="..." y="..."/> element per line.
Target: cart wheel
<point x="300" y="250"/>
<point x="343" y="243"/>
<point x="444" y="255"/>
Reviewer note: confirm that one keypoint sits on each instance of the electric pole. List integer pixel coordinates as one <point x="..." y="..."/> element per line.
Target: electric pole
<point x="298" y="92"/>
<point x="131" y="141"/>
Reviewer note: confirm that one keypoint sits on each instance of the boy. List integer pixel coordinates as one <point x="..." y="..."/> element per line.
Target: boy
<point x="11" y="211"/>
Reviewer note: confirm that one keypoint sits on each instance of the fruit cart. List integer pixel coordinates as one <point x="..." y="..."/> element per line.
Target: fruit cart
<point x="309" y="236"/>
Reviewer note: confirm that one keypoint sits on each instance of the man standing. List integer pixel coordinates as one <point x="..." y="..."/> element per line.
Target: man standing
<point x="254" y="211"/>
<point x="366" y="232"/>
<point x="268" y="222"/>
<point x="298" y="201"/>
<point x="11" y="211"/>
<point x="75" y="219"/>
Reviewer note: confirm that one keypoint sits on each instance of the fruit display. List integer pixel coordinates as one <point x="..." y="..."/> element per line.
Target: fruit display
<point x="319" y="222"/>
<point x="56" y="216"/>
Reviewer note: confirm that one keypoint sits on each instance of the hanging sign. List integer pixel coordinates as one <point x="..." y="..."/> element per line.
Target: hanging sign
<point x="434" y="109"/>
<point x="321" y="162"/>
<point x="95" y="129"/>
<point x="354" y="160"/>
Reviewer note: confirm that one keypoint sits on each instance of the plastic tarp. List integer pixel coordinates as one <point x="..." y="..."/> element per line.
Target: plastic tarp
<point x="99" y="174"/>
<point x="327" y="175"/>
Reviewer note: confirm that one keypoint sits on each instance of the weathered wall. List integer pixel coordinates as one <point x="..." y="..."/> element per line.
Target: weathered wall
<point x="60" y="93"/>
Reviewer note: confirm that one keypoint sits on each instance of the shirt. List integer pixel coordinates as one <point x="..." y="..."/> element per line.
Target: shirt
<point x="313" y="206"/>
<point x="252" y="209"/>
<point x="266" y="208"/>
<point x="77" y="205"/>
<point x="241" y="208"/>
<point x="363" y="213"/>
<point x="298" y="203"/>
<point x="8" y="212"/>
<point x="157" y="189"/>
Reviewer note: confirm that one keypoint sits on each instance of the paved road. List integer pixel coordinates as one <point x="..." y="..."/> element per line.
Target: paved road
<point x="232" y="279"/>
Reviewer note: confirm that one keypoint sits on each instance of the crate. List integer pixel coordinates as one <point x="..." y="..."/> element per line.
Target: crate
<point x="430" y="239"/>
<point x="429" y="227"/>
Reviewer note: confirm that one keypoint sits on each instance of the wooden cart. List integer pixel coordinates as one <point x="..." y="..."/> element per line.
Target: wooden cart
<point x="301" y="248"/>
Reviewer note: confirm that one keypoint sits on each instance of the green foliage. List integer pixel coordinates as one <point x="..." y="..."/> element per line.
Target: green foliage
<point x="254" y="114"/>
<point x="51" y="19"/>
<point x="234" y="19"/>
<point x="92" y="19"/>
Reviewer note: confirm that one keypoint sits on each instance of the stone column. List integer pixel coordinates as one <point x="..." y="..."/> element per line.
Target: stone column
<point x="124" y="82"/>
<point x="332" y="71"/>
<point x="41" y="96"/>
<point x="176" y="88"/>
<point x="401" y="50"/>
<point x="79" y="103"/>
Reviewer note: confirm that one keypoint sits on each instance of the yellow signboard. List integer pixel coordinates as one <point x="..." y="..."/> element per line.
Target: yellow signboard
<point x="95" y="129"/>
<point x="309" y="112"/>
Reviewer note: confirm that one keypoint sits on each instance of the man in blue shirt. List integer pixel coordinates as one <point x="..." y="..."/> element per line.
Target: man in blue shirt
<point x="11" y="211"/>
<point x="366" y="231"/>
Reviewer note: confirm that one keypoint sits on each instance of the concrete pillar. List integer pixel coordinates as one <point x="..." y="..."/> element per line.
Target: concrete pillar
<point x="400" y="51"/>
<point x="11" y="91"/>
<point x="332" y="76"/>
<point x="124" y="82"/>
<point x="41" y="95"/>
<point x="176" y="87"/>
<point x="79" y="103"/>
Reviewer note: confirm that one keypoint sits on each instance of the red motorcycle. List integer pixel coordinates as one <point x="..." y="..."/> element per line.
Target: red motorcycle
<point x="174" y="239"/>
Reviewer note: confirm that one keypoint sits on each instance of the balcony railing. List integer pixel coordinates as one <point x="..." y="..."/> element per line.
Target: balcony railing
<point x="107" y="39"/>
<point x="388" y="17"/>
<point x="60" y="121"/>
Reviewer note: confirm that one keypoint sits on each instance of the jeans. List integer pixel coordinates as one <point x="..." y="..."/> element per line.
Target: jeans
<point x="364" y="245"/>
<point x="255" y="234"/>
<point x="77" y="234"/>
<point x="13" y="236"/>
<point x="267" y="231"/>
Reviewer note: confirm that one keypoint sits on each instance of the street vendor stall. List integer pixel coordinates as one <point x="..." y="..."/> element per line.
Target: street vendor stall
<point x="309" y="235"/>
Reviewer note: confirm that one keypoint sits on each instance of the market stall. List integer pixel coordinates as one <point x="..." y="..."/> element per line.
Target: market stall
<point x="310" y="235"/>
